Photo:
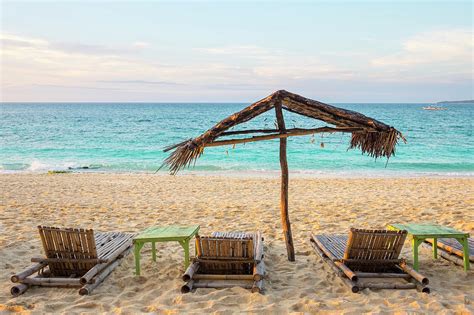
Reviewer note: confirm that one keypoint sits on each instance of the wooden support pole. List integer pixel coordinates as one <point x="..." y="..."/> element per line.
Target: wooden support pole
<point x="284" y="186"/>
<point x="416" y="275"/>
<point x="446" y="255"/>
<point x="119" y="253"/>
<point x="348" y="272"/>
<point x="286" y="134"/>
<point x="198" y="276"/>
<point x="27" y="272"/>
<point x="188" y="275"/>
<point x="222" y="284"/>
<point x="19" y="289"/>
<point x="259" y="247"/>
<point x="257" y="287"/>
<point x="259" y="271"/>
<point x="68" y="260"/>
<point x="294" y="131"/>
<point x="187" y="287"/>
<point x="385" y="285"/>
<point x="382" y="275"/>
<point x="99" y="278"/>
<point x="52" y="281"/>
<point x="352" y="285"/>
<point x="103" y="273"/>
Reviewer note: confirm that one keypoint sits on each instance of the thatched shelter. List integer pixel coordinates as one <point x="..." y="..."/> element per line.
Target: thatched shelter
<point x="371" y="136"/>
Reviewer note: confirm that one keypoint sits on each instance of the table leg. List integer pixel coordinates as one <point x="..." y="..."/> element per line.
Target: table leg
<point x="185" y="245"/>
<point x="415" y="243"/>
<point x="153" y="251"/>
<point x="435" y="248"/>
<point x="137" y="248"/>
<point x="465" y="252"/>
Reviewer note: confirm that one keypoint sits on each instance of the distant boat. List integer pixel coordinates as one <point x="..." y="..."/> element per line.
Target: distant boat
<point x="434" y="108"/>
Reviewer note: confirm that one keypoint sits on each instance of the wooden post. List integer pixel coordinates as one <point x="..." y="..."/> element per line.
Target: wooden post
<point x="284" y="186"/>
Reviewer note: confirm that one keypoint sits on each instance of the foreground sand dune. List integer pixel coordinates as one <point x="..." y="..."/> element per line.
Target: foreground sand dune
<point x="130" y="203"/>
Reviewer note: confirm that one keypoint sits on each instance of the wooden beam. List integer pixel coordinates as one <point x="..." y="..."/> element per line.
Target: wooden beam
<point x="285" y="134"/>
<point x="284" y="185"/>
<point x="289" y="130"/>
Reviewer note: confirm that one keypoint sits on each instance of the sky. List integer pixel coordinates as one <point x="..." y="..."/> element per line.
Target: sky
<point x="224" y="51"/>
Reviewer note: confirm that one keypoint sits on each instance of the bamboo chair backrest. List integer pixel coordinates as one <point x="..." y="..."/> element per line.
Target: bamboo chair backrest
<point x="379" y="245"/>
<point x="223" y="248"/>
<point x="70" y="245"/>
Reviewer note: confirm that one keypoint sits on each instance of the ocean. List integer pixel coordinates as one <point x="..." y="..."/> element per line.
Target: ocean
<point x="130" y="137"/>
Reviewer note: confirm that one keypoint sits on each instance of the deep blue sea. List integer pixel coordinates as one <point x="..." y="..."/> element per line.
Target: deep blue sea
<point x="130" y="137"/>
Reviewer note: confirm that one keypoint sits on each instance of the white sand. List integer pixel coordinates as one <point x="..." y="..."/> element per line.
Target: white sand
<point x="109" y="202"/>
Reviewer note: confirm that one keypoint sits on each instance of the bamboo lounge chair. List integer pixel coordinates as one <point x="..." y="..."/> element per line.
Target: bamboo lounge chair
<point x="227" y="260"/>
<point x="369" y="255"/>
<point x="74" y="258"/>
<point x="450" y="249"/>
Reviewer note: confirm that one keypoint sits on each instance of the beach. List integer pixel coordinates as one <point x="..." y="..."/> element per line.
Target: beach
<point x="132" y="202"/>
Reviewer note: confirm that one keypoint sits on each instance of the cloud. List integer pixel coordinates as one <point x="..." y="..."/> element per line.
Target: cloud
<point x="447" y="46"/>
<point x="75" y="87"/>
<point x="33" y="60"/>
<point x="275" y="64"/>
<point x="141" y="45"/>
<point x="89" y="70"/>
<point x="140" y="82"/>
<point x="239" y="50"/>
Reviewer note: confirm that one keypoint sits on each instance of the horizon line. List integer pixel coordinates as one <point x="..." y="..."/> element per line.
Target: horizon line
<point x="213" y="102"/>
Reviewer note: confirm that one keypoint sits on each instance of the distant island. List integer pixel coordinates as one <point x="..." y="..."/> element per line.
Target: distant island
<point x="457" y="102"/>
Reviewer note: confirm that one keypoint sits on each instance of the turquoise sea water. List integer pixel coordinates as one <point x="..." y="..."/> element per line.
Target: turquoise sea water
<point x="130" y="137"/>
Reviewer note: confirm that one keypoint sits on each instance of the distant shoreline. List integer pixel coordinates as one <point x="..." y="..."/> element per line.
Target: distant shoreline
<point x="457" y="102"/>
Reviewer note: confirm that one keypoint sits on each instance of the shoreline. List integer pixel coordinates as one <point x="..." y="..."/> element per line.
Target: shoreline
<point x="264" y="174"/>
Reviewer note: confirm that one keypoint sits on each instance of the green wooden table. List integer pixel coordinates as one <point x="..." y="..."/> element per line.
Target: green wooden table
<point x="172" y="233"/>
<point x="420" y="232"/>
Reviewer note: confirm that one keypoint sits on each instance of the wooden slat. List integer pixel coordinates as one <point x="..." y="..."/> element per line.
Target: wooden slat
<point x="74" y="251"/>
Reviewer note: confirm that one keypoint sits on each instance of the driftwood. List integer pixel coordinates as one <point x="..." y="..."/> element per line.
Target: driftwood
<point x="369" y="254"/>
<point x="369" y="135"/>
